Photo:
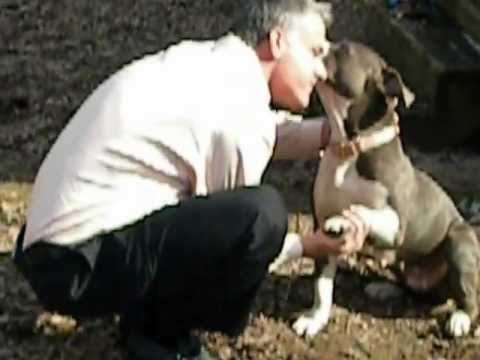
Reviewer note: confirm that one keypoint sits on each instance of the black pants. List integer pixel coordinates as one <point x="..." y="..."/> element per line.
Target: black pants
<point x="195" y="265"/>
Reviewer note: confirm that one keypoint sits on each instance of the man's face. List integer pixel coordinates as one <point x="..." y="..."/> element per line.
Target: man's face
<point x="300" y="64"/>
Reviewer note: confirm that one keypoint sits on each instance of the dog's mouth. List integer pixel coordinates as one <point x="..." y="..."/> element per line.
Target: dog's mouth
<point x="336" y="106"/>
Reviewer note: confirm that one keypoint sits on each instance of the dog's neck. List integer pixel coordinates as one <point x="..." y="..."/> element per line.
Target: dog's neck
<point x="337" y="108"/>
<point x="385" y="131"/>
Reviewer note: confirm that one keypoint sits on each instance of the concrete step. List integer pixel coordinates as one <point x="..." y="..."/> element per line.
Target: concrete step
<point x="466" y="13"/>
<point x="438" y="62"/>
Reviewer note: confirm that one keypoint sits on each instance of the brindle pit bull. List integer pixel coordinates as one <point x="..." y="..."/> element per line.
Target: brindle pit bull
<point x="406" y="210"/>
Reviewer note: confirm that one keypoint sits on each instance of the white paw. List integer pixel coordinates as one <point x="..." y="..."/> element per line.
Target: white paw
<point x="273" y="267"/>
<point x="335" y="225"/>
<point x="310" y="323"/>
<point x="384" y="225"/>
<point x="459" y="324"/>
<point x="382" y="291"/>
<point x="292" y="249"/>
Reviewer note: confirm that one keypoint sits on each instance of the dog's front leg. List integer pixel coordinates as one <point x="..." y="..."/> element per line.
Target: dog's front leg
<point x="384" y="225"/>
<point x="315" y="319"/>
<point x="292" y="249"/>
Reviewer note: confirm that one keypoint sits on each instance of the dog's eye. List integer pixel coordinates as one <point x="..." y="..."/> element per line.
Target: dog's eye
<point x="318" y="51"/>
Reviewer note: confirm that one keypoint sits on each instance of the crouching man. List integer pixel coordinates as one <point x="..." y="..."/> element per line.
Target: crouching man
<point x="149" y="203"/>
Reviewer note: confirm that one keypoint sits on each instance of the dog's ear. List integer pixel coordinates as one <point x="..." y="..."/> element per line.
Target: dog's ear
<point x="394" y="86"/>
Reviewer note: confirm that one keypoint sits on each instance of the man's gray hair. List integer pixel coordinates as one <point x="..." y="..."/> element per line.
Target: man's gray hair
<point x="258" y="17"/>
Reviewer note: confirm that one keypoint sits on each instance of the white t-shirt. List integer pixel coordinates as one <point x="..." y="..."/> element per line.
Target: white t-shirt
<point x="191" y="120"/>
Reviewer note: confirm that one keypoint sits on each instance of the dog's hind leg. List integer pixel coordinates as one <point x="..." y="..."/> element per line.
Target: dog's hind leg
<point x="315" y="319"/>
<point x="463" y="256"/>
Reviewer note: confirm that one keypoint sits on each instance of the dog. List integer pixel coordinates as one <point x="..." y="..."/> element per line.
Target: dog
<point x="405" y="209"/>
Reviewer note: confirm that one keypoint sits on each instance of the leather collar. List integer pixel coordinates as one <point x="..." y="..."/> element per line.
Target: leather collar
<point x="351" y="148"/>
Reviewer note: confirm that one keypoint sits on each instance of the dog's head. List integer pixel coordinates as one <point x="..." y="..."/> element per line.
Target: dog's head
<point x="361" y="88"/>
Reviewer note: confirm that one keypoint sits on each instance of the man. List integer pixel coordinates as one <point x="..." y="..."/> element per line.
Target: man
<point x="148" y="204"/>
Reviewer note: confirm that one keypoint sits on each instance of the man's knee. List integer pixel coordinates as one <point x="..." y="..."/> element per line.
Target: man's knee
<point x="272" y="208"/>
<point x="271" y="220"/>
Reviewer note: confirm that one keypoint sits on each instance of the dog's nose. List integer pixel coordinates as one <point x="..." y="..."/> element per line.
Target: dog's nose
<point x="321" y="70"/>
<point x="326" y="47"/>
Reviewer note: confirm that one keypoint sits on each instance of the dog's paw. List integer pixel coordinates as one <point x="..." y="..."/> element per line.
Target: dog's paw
<point x="459" y="324"/>
<point x="382" y="291"/>
<point x="335" y="225"/>
<point x="310" y="323"/>
<point x="292" y="249"/>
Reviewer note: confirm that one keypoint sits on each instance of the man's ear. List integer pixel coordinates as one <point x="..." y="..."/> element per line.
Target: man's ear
<point x="394" y="86"/>
<point x="277" y="42"/>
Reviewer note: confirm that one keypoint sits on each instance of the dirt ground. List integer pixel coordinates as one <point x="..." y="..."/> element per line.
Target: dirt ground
<point x="52" y="54"/>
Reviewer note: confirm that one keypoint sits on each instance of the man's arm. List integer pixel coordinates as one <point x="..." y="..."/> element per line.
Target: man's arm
<point x="318" y="244"/>
<point x="301" y="140"/>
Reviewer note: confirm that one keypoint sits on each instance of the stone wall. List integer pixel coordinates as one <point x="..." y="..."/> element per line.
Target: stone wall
<point x="437" y="61"/>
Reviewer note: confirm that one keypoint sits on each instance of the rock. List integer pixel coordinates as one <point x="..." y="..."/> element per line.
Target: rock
<point x="6" y="354"/>
<point x="8" y="234"/>
<point x="438" y="63"/>
<point x="4" y="319"/>
<point x="55" y="324"/>
<point x="466" y="13"/>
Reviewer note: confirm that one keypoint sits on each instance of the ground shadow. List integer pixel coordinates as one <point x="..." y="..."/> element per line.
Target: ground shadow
<point x="286" y="296"/>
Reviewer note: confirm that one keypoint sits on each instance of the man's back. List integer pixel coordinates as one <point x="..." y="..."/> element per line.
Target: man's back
<point x="159" y="130"/>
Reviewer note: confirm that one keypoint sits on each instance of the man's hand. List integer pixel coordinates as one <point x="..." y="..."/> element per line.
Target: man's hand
<point x="320" y="244"/>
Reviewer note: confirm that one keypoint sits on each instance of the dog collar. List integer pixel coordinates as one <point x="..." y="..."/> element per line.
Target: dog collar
<point x="348" y="149"/>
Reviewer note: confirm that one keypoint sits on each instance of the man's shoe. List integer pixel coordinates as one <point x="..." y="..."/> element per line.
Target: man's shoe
<point x="142" y="347"/>
<point x="189" y="347"/>
<point x="204" y="355"/>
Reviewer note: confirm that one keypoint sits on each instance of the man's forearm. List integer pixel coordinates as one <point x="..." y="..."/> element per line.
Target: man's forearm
<point x="301" y="140"/>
